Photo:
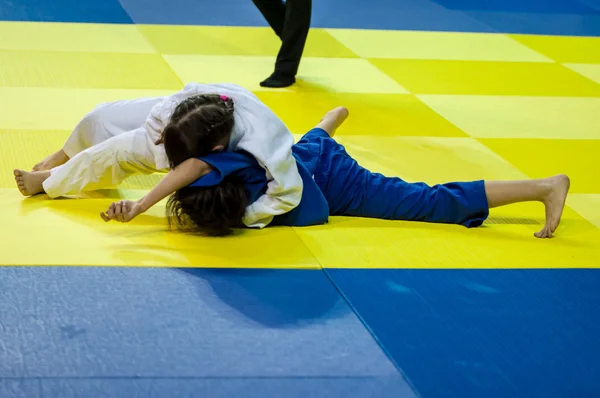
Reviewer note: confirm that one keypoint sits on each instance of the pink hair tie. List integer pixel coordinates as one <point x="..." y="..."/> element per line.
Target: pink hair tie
<point x="224" y="97"/>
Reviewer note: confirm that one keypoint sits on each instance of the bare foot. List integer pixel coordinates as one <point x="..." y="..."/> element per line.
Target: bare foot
<point x="554" y="203"/>
<point x="334" y="119"/>
<point x="30" y="182"/>
<point x="56" y="159"/>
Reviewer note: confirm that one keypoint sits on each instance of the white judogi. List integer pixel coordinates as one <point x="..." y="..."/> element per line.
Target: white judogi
<point x="116" y="140"/>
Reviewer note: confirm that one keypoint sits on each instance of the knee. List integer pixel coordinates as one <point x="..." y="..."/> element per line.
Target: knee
<point x="83" y="135"/>
<point x="89" y="121"/>
<point x="94" y="116"/>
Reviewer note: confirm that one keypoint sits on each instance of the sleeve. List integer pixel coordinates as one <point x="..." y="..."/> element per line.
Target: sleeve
<point x="273" y="151"/>
<point x="224" y="164"/>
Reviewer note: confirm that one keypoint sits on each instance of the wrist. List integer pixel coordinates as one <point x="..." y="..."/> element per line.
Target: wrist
<point x="143" y="204"/>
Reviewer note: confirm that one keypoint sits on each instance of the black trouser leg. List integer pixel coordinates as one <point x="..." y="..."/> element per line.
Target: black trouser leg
<point x="274" y="13"/>
<point x="291" y="22"/>
<point x="293" y="39"/>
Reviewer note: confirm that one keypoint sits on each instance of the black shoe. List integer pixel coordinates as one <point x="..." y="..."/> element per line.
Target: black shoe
<point x="278" y="80"/>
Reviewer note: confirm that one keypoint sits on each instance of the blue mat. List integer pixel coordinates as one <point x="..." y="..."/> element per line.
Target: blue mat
<point x="343" y="387"/>
<point x="385" y="14"/>
<point x="194" y="12"/>
<point x="95" y="11"/>
<point x="541" y="23"/>
<point x="485" y="333"/>
<point x="118" y="331"/>
<point x="527" y="6"/>
<point x="594" y="4"/>
<point x="394" y="15"/>
<point x="558" y="17"/>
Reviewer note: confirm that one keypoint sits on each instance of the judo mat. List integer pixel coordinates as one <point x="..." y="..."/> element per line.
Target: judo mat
<point x="437" y="91"/>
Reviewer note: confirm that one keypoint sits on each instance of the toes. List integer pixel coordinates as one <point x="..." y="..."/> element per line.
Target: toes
<point x="20" y="181"/>
<point x="545" y="233"/>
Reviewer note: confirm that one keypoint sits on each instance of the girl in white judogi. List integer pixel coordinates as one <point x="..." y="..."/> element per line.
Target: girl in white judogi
<point x="119" y="139"/>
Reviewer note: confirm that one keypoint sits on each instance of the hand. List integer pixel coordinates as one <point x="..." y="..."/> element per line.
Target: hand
<point x="159" y="141"/>
<point x="122" y="211"/>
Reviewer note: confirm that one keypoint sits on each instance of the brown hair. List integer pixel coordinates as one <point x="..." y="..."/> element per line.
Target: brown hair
<point x="214" y="211"/>
<point x="198" y="124"/>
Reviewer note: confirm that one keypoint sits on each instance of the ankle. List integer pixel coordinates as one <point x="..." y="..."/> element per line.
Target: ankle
<point x="544" y="187"/>
<point x="42" y="175"/>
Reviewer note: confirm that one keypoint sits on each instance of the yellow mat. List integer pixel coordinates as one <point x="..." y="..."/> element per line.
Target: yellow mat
<point x="425" y="106"/>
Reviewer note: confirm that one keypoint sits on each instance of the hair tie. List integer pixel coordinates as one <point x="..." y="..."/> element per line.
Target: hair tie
<point x="224" y="97"/>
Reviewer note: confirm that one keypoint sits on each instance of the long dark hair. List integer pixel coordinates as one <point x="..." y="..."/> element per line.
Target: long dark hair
<point x="198" y="124"/>
<point x="214" y="211"/>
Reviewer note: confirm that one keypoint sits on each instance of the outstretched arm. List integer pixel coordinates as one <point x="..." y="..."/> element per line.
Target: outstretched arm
<point x="181" y="176"/>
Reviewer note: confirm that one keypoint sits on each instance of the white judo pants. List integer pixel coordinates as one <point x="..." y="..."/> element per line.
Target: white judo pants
<point x="108" y="145"/>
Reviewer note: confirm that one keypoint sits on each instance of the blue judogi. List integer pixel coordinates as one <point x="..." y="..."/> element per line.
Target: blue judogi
<point x="335" y="184"/>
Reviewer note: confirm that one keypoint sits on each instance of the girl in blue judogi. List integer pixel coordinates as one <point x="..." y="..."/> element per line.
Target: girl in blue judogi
<point x="211" y="193"/>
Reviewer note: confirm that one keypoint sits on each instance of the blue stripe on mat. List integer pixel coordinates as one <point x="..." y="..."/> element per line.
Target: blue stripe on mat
<point x="94" y="331"/>
<point x="484" y="333"/>
<point x="104" y="11"/>
<point x="558" y="17"/>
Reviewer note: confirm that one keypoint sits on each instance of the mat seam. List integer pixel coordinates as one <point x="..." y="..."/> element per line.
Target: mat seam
<point x="372" y="333"/>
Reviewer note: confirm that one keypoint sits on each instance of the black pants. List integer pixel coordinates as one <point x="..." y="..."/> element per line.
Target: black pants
<point x="291" y="22"/>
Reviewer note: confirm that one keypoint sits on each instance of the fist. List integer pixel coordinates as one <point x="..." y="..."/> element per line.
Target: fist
<point x="122" y="211"/>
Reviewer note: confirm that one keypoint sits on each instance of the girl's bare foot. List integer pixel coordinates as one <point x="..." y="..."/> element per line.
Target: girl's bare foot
<point x="554" y="201"/>
<point x="333" y="119"/>
<point x="341" y="114"/>
<point x="56" y="159"/>
<point x="30" y="182"/>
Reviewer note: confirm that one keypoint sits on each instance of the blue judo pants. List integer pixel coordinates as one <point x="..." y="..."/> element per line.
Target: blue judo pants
<point x="352" y="190"/>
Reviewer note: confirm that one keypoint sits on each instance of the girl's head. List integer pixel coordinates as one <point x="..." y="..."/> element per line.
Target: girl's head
<point x="211" y="210"/>
<point x="199" y="125"/>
